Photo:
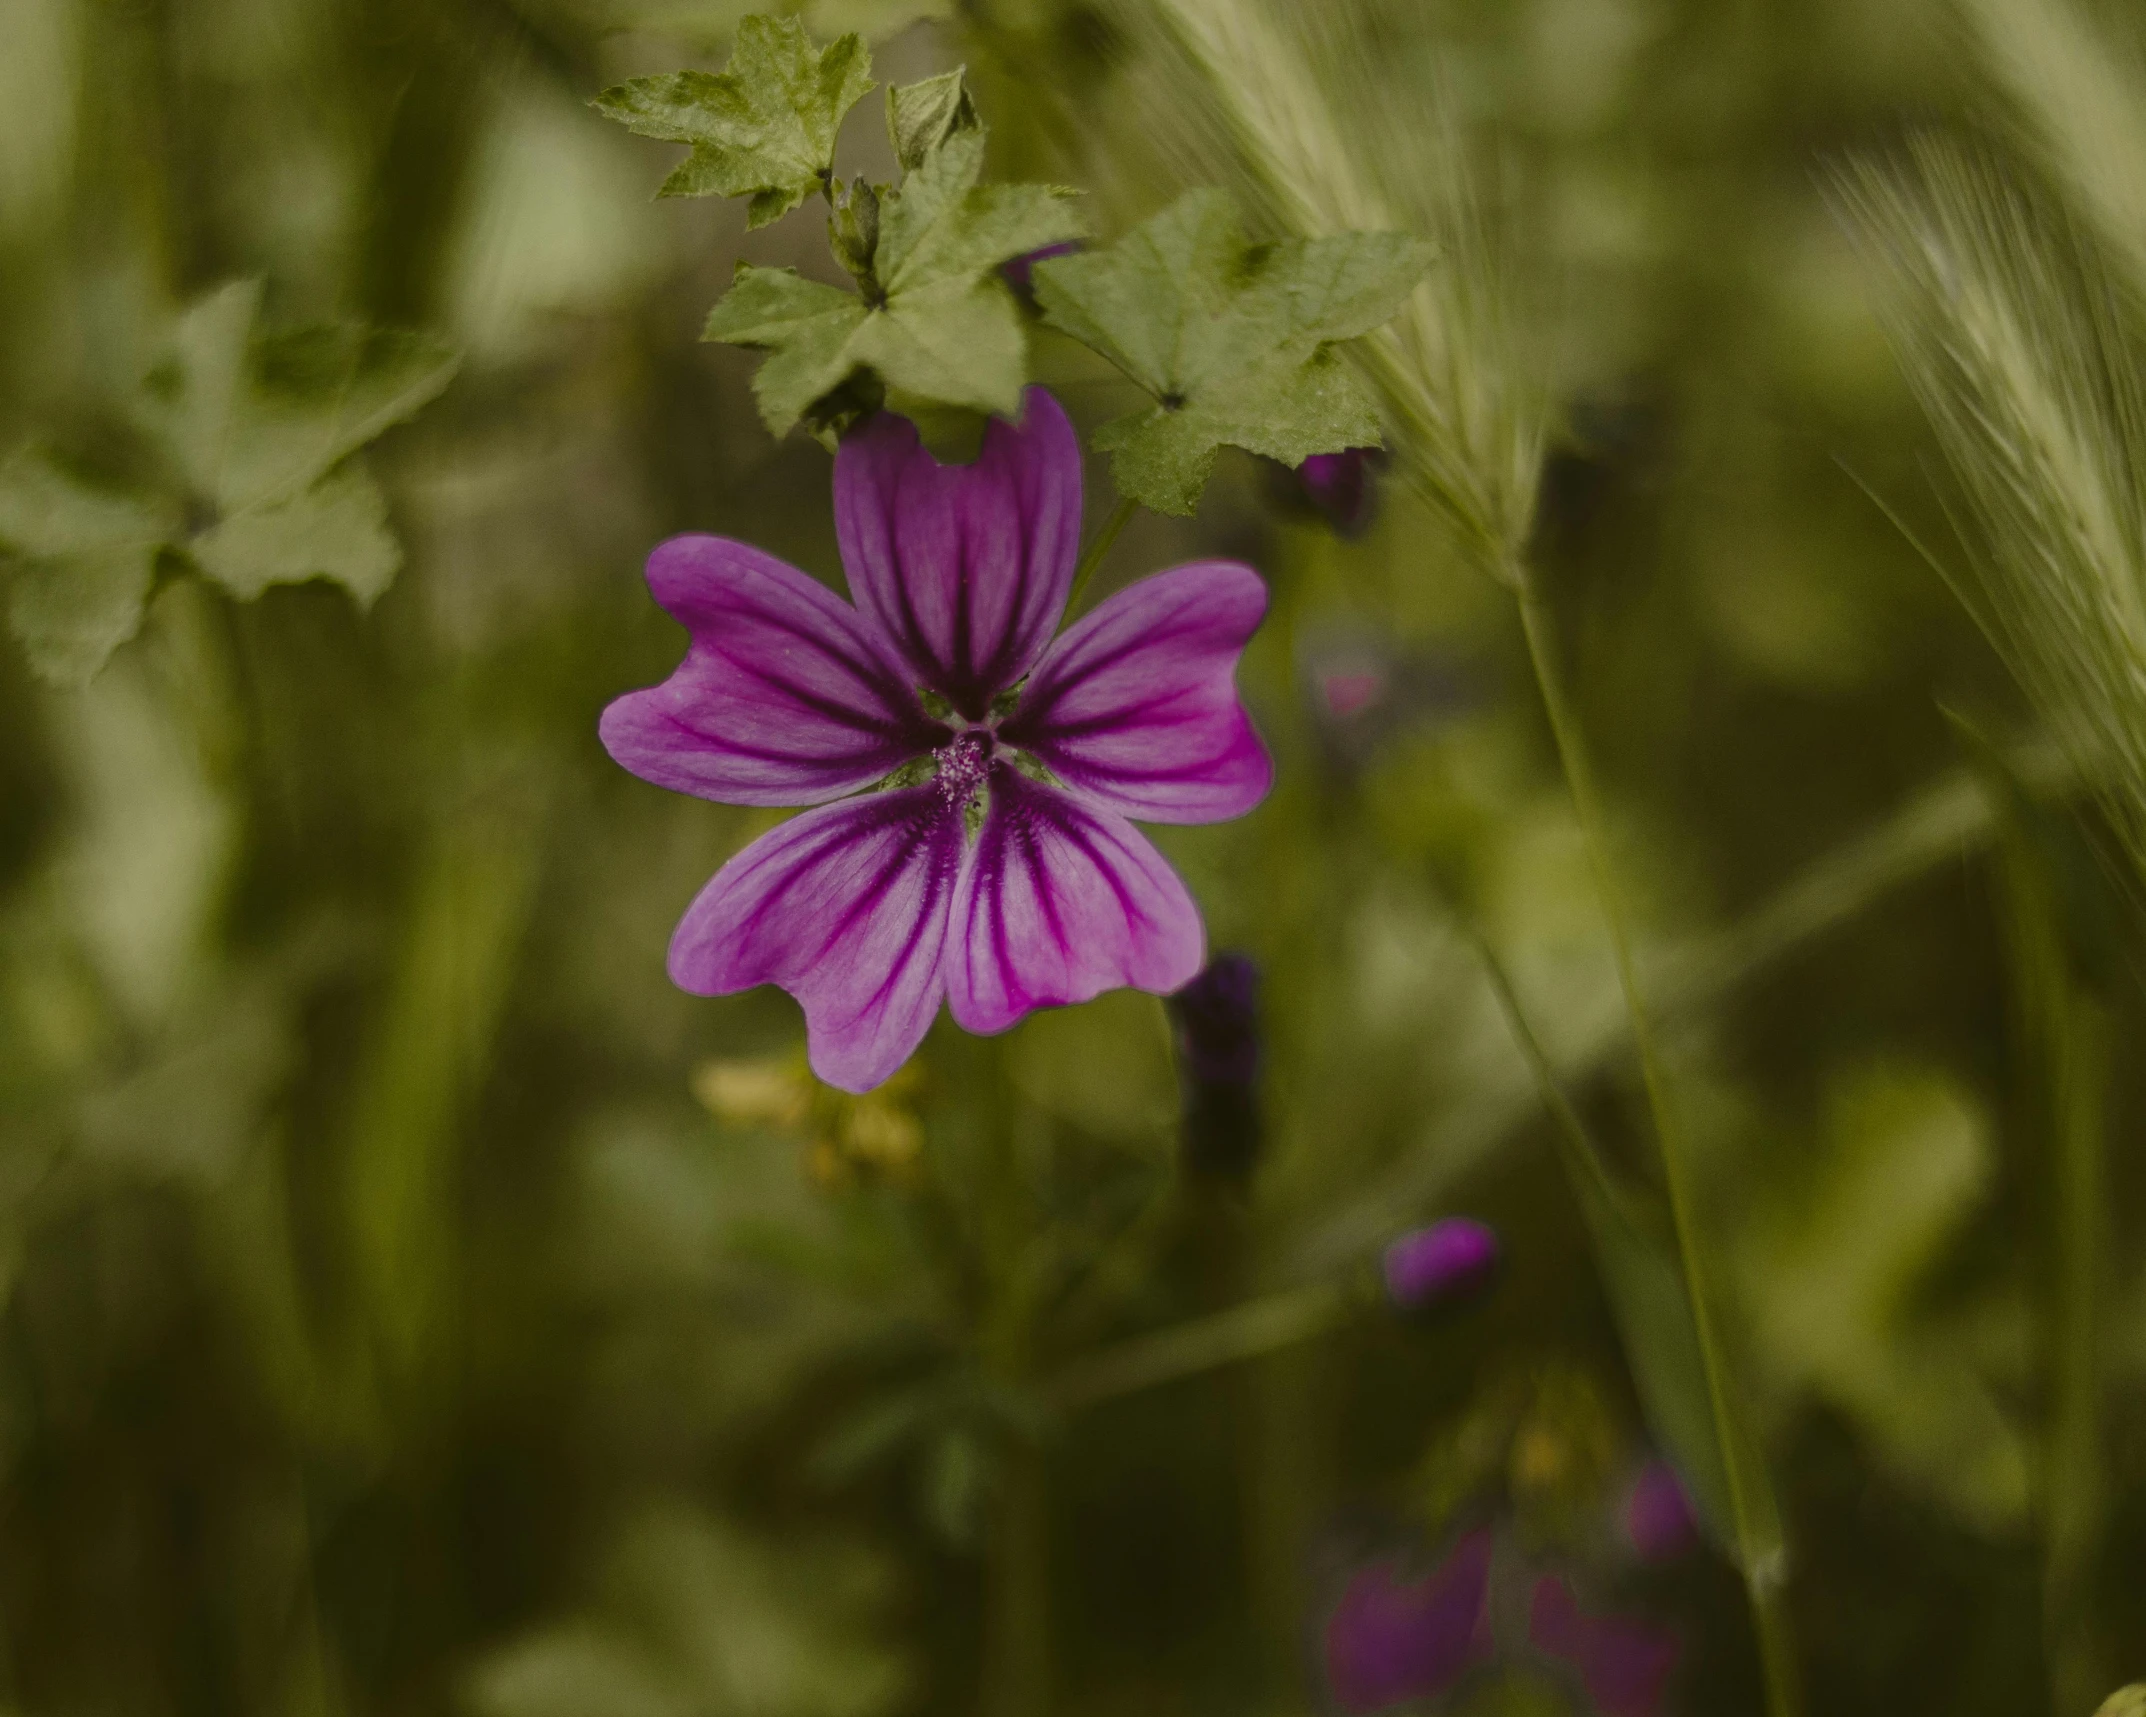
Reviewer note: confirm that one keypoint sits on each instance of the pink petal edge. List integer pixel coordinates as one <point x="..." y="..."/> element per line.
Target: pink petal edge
<point x="846" y="907"/>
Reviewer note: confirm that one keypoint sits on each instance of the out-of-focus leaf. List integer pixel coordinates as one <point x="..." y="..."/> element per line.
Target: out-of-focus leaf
<point x="2125" y="1702"/>
<point x="764" y="128"/>
<point x="84" y="560"/>
<point x="1831" y="1284"/>
<point x="336" y="529"/>
<point x="947" y="329"/>
<point x="147" y="856"/>
<point x="580" y="1669"/>
<point x="255" y="434"/>
<point x="921" y="116"/>
<point x="701" y="1620"/>
<point x="1234" y="340"/>
<point x="314" y="396"/>
<point x="195" y="396"/>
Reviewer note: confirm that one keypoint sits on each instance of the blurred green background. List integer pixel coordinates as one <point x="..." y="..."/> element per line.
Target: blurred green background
<point x="410" y="1303"/>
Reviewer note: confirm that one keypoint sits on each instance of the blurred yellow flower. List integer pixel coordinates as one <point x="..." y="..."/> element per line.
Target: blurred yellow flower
<point x="845" y="1137"/>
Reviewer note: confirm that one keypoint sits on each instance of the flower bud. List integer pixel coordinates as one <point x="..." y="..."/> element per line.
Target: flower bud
<point x="1658" y="1517"/>
<point x="1445" y="1262"/>
<point x="1342" y="487"/>
<point x="1218" y="1054"/>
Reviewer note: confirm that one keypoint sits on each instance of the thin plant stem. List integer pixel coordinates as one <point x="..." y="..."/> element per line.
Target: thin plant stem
<point x="1099" y="545"/>
<point x="1762" y="1563"/>
<point x="1015" y="1246"/>
<point x="1245" y="1331"/>
<point x="1017" y="1652"/>
<point x="2075" y="1480"/>
<point x="1950" y="821"/>
<point x="2067" y="1030"/>
<point x="1574" y="1145"/>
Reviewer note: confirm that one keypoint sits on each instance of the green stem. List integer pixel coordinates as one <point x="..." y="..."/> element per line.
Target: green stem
<point x="1947" y="822"/>
<point x="1749" y="1491"/>
<point x="1012" y="1242"/>
<point x="1017" y="1641"/>
<point x="1574" y="1145"/>
<point x="1098" y="546"/>
<point x="2067" y="1030"/>
<point x="1245" y="1331"/>
<point x="2075" y="1480"/>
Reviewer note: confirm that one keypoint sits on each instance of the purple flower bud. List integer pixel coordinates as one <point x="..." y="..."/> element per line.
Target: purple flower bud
<point x="1625" y="1664"/>
<point x="1388" y="1642"/>
<point x="1018" y="273"/>
<point x="1449" y="1259"/>
<point x="1658" y="1516"/>
<point x="1340" y="486"/>
<point x="1217" y="1019"/>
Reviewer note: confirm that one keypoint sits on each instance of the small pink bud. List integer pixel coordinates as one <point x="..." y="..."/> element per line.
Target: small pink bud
<point x="1443" y="1262"/>
<point x="1658" y="1516"/>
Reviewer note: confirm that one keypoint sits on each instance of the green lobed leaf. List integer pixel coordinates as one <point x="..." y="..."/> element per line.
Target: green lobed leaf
<point x="191" y="400"/>
<point x="337" y="529"/>
<point x="922" y="116"/>
<point x="807" y="329"/>
<point x="85" y="557"/>
<point x="314" y="397"/>
<point x="1232" y="339"/>
<point x="952" y="341"/>
<point x="764" y="127"/>
<point x="942" y="225"/>
<point x="947" y="328"/>
<point x="254" y="435"/>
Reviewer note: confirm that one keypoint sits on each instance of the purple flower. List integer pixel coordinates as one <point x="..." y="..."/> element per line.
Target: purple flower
<point x="1624" y="1664"/>
<point x="1658" y="1515"/>
<point x="1442" y="1262"/>
<point x="1019" y="273"/>
<point x="1339" y="486"/>
<point x="1387" y="1642"/>
<point x="970" y="776"/>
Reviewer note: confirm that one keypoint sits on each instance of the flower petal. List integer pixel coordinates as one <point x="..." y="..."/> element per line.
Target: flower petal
<point x="844" y="906"/>
<point x="1626" y="1664"/>
<point x="1390" y="1641"/>
<point x="1059" y="901"/>
<point x="785" y="696"/>
<point x="1137" y="704"/>
<point x="964" y="568"/>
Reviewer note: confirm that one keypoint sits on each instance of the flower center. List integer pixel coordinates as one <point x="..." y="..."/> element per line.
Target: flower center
<point x="963" y="764"/>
